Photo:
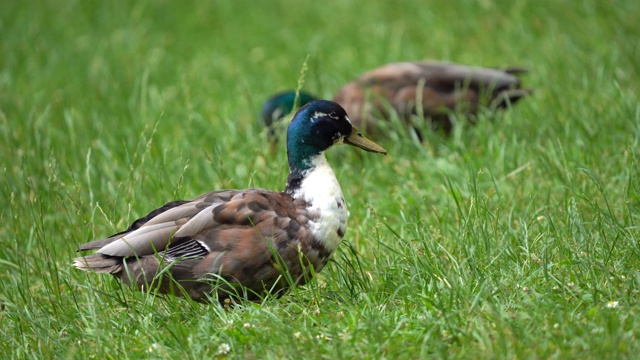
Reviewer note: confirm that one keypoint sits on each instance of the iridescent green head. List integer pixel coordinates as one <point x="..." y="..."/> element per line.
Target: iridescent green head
<point x="281" y="105"/>
<point x="318" y="126"/>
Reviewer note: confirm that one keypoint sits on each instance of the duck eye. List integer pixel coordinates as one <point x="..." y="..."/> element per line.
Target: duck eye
<point x="333" y="115"/>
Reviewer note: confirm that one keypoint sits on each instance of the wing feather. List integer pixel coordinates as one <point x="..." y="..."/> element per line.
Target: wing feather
<point x="144" y="241"/>
<point x="187" y="210"/>
<point x="202" y="219"/>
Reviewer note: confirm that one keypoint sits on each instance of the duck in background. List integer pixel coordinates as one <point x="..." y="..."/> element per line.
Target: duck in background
<point x="280" y="105"/>
<point x="231" y="244"/>
<point x="433" y="90"/>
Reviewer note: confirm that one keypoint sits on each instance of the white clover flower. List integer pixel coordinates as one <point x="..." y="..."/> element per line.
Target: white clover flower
<point x="612" y="304"/>
<point x="323" y="337"/>
<point x="223" y="349"/>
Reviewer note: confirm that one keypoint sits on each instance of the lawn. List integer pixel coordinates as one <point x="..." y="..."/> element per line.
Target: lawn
<point x="513" y="238"/>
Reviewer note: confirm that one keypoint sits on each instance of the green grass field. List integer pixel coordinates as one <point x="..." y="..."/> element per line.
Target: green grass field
<point x="515" y="238"/>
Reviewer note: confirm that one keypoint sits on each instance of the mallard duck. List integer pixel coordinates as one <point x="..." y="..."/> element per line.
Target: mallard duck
<point x="440" y="87"/>
<point x="275" y="114"/>
<point x="281" y="104"/>
<point x="231" y="244"/>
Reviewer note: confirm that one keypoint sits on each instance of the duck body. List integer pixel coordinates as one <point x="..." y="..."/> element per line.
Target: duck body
<point x="242" y="243"/>
<point x="432" y="89"/>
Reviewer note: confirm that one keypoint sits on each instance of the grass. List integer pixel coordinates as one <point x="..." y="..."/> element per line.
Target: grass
<point x="515" y="238"/>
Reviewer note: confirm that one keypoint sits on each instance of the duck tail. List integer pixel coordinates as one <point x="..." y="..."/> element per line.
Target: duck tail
<point x="509" y="97"/>
<point x="515" y="70"/>
<point x="99" y="263"/>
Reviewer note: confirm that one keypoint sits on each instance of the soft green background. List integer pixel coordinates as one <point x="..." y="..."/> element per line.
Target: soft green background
<point x="507" y="240"/>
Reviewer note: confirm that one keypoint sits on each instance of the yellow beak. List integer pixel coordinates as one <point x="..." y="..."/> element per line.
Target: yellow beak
<point x="358" y="140"/>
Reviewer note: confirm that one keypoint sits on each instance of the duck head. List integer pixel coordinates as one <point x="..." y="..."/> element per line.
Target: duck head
<point x="316" y="127"/>
<point x="281" y="104"/>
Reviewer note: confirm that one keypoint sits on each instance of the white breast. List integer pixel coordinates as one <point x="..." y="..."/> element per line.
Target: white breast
<point x="321" y="189"/>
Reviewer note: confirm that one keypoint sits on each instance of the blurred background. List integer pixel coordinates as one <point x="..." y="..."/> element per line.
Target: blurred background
<point x="108" y="109"/>
<point x="224" y="57"/>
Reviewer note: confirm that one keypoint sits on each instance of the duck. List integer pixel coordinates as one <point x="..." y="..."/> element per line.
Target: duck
<point x="230" y="245"/>
<point x="282" y="104"/>
<point x="442" y="89"/>
<point x="275" y="114"/>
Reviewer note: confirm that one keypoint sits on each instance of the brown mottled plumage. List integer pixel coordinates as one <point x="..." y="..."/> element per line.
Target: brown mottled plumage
<point x="236" y="222"/>
<point x="439" y="87"/>
<point x="242" y="243"/>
